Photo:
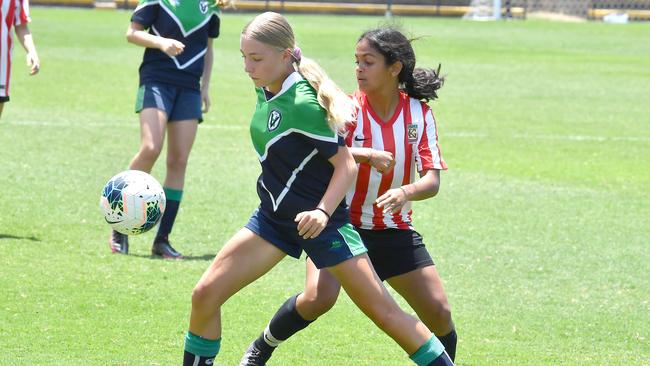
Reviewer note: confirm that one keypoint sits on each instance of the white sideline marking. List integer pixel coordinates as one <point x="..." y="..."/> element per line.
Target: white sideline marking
<point x="478" y="135"/>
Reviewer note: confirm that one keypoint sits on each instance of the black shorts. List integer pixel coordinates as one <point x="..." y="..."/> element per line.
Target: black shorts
<point x="394" y="251"/>
<point x="4" y="99"/>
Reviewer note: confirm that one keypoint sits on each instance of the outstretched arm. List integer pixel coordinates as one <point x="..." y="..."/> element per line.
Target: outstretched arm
<point x="311" y="223"/>
<point x="25" y="39"/>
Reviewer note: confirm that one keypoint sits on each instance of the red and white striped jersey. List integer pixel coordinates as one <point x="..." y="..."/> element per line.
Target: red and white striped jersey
<point x="411" y="136"/>
<point x="12" y="13"/>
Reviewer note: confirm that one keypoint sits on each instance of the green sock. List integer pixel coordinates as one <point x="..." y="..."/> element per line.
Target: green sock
<point x="200" y="351"/>
<point x="428" y="352"/>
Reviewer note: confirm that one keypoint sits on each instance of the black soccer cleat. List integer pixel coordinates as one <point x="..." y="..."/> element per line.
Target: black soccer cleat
<point x="162" y="248"/>
<point x="119" y="243"/>
<point x="255" y="356"/>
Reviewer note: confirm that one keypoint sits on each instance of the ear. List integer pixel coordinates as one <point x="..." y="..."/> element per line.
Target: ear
<point x="396" y="68"/>
<point x="286" y="56"/>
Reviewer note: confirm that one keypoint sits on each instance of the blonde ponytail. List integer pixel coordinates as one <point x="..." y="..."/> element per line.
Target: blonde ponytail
<point x="338" y="105"/>
<point x="225" y="3"/>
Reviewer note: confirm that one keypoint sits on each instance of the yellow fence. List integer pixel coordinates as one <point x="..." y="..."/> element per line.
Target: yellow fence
<point x="340" y="8"/>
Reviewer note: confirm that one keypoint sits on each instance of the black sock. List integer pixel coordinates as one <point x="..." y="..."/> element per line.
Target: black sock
<point x="442" y="360"/>
<point x="168" y="219"/>
<point x="285" y="323"/>
<point x="449" y="341"/>
<point x="190" y="359"/>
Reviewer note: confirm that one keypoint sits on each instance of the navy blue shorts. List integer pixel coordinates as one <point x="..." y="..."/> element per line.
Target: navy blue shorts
<point x="179" y="103"/>
<point x="394" y="251"/>
<point x="334" y="245"/>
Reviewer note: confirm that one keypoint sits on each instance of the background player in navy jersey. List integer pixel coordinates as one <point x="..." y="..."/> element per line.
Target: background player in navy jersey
<point x="394" y="134"/>
<point x="14" y="13"/>
<point x="306" y="172"/>
<point x="174" y="84"/>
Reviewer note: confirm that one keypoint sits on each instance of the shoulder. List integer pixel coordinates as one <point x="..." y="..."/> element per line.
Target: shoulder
<point x="306" y="99"/>
<point x="145" y="3"/>
<point x="309" y="114"/>
<point x="419" y="110"/>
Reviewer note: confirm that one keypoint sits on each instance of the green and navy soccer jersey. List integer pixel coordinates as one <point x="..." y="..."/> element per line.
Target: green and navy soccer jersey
<point x="293" y="143"/>
<point x="188" y="21"/>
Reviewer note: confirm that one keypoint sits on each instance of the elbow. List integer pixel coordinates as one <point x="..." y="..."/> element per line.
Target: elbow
<point x="434" y="190"/>
<point x="353" y="168"/>
<point x="130" y="35"/>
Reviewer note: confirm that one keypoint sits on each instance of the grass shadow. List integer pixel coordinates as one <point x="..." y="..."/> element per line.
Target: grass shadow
<point x="205" y="257"/>
<point x="9" y="236"/>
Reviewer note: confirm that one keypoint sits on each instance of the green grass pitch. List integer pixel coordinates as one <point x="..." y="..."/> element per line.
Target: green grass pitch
<point x="540" y="231"/>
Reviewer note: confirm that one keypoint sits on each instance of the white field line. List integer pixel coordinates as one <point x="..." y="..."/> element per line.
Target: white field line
<point x="471" y="135"/>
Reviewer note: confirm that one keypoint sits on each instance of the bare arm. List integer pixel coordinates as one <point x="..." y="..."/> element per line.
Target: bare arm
<point x="26" y="40"/>
<point x="381" y="160"/>
<point x="426" y="187"/>
<point x="137" y="35"/>
<point x="205" y="78"/>
<point x="311" y="223"/>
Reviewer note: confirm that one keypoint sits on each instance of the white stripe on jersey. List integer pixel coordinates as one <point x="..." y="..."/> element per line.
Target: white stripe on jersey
<point x="22" y="12"/>
<point x="5" y="51"/>
<point x="422" y="153"/>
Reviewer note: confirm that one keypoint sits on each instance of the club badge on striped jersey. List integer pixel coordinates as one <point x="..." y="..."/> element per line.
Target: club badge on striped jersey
<point x="412" y="131"/>
<point x="275" y="117"/>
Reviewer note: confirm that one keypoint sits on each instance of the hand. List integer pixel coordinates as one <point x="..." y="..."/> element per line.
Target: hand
<point x="383" y="161"/>
<point x="392" y="200"/>
<point x="171" y="47"/>
<point x="311" y="223"/>
<point x="205" y="99"/>
<point x="33" y="63"/>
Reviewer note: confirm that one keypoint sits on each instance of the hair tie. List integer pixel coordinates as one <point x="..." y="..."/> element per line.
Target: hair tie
<point x="297" y="54"/>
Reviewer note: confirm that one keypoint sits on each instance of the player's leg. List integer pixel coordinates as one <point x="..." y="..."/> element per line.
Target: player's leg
<point x="180" y="139"/>
<point x="366" y="290"/>
<point x="244" y="258"/>
<point x="401" y="258"/>
<point x="319" y="296"/>
<point x="152" y="104"/>
<point x="423" y="290"/>
<point x="5" y="75"/>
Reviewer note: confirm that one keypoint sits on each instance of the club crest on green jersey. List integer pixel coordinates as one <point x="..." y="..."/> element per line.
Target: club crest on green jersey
<point x="275" y="117"/>
<point x="203" y="6"/>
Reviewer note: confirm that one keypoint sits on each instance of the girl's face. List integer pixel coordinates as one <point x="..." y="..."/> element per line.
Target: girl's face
<point x="265" y="65"/>
<point x="372" y="72"/>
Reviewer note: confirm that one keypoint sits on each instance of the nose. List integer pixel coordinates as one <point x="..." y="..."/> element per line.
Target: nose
<point x="247" y="67"/>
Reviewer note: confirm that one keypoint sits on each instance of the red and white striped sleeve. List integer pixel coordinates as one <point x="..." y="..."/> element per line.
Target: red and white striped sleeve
<point x="22" y="12"/>
<point x="429" y="154"/>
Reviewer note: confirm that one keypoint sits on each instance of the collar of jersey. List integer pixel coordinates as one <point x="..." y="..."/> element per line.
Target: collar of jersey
<point x="293" y="78"/>
<point x="191" y="27"/>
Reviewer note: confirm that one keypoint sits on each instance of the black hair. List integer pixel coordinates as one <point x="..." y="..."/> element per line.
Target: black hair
<point x="419" y="83"/>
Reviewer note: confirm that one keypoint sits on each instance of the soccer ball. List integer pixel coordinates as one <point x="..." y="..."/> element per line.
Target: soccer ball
<point x="132" y="202"/>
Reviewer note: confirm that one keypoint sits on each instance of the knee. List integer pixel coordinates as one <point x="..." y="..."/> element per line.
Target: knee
<point x="388" y="320"/>
<point x="177" y="162"/>
<point x="150" y="151"/>
<point x="316" y="303"/>
<point x="204" y="301"/>
<point x="438" y="319"/>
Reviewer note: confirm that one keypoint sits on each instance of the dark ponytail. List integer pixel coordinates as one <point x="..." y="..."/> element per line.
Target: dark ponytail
<point x="418" y="83"/>
<point x="424" y="83"/>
